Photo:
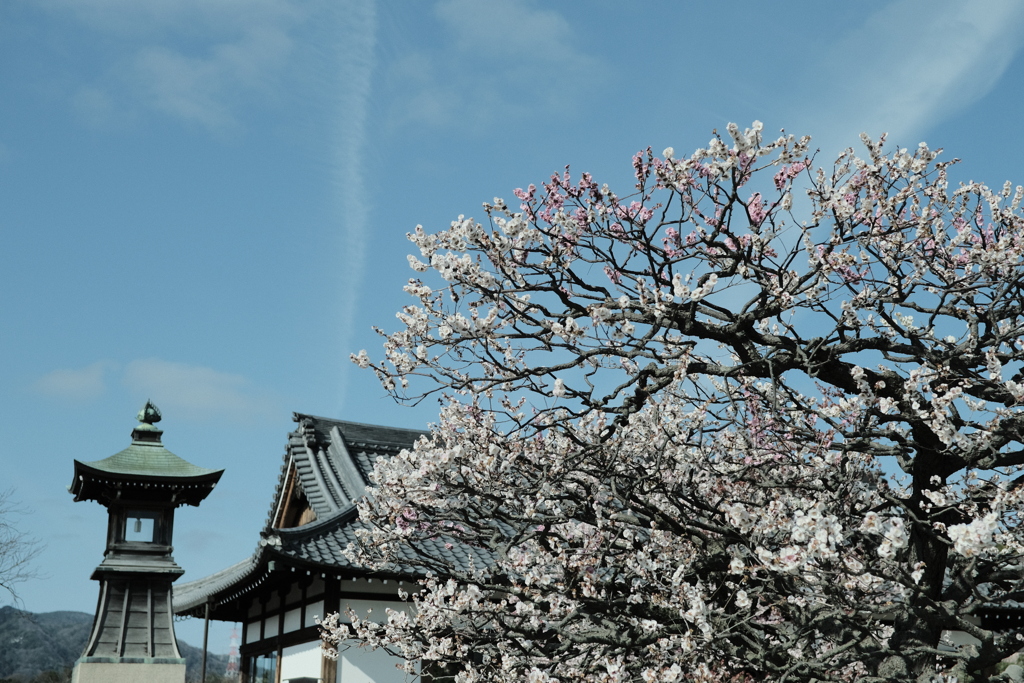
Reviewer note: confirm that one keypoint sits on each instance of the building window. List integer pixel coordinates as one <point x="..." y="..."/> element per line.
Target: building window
<point x="263" y="668"/>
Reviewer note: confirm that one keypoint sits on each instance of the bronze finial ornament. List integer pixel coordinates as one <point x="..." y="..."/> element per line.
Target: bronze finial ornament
<point x="149" y="414"/>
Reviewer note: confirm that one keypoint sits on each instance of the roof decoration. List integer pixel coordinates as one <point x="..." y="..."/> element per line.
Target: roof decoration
<point x="145" y="462"/>
<point x="149" y="414"/>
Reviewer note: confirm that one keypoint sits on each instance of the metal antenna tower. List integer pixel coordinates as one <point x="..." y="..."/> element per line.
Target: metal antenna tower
<point x="231" y="672"/>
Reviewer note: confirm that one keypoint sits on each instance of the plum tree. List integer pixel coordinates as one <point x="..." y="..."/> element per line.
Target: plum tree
<point x="754" y="420"/>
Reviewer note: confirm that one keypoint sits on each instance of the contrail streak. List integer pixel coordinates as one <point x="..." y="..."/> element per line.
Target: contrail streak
<point x="356" y="45"/>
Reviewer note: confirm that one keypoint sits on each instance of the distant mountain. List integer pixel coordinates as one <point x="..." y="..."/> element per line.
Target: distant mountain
<point x="33" y="644"/>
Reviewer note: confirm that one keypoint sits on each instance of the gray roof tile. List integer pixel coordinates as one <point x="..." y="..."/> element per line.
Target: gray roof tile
<point x="333" y="460"/>
<point x="333" y="474"/>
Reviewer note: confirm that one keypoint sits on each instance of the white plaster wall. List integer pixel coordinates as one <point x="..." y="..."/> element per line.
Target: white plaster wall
<point x="301" y="660"/>
<point x="292" y="620"/>
<point x="252" y="632"/>
<point x="313" y="611"/>
<point x="361" y="665"/>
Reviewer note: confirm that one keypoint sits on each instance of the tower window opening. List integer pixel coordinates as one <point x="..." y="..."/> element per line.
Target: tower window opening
<point x="140" y="526"/>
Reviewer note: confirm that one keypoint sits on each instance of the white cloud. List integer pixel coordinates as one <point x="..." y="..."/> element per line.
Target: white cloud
<point x="202" y="89"/>
<point x="195" y="60"/>
<point x="188" y="391"/>
<point x="500" y="59"/>
<point x="75" y="385"/>
<point x="148" y="18"/>
<point x="510" y="30"/>
<point x="910" y="66"/>
<point x="195" y="391"/>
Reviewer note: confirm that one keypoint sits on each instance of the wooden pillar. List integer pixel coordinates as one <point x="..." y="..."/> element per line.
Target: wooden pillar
<point x="328" y="669"/>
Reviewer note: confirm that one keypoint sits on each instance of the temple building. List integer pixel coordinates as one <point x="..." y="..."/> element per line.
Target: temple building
<point x="298" y="571"/>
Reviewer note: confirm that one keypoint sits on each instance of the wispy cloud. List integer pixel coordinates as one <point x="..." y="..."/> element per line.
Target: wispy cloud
<point x="499" y="29"/>
<point x="202" y="89"/>
<point x="153" y="18"/>
<point x="189" y="391"/>
<point x="352" y="81"/>
<point x="488" y="45"/>
<point x="910" y="66"/>
<point x="195" y="391"/>
<point x="194" y="60"/>
<point x="76" y="385"/>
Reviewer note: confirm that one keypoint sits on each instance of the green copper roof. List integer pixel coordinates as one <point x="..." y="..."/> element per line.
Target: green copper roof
<point x="143" y="471"/>
<point x="148" y="459"/>
<point x="147" y="455"/>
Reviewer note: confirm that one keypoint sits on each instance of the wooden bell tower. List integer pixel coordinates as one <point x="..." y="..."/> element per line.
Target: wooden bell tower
<point x="132" y="636"/>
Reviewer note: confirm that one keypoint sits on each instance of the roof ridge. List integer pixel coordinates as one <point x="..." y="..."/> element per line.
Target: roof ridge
<point x="324" y="495"/>
<point x="332" y="478"/>
<point x="299" y="417"/>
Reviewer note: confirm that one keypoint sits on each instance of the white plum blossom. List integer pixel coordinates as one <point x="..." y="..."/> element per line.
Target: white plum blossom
<point x="975" y="537"/>
<point x="894" y="538"/>
<point x="558" y="390"/>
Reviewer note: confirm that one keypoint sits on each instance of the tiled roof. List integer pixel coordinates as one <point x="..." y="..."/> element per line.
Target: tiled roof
<point x="187" y="596"/>
<point x="333" y="460"/>
<point x="324" y="544"/>
<point x="319" y="546"/>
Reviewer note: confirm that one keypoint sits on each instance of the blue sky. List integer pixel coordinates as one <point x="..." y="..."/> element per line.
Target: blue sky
<point x="204" y="202"/>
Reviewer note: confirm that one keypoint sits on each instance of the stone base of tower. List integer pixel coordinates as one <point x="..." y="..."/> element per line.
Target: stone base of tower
<point x="128" y="670"/>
